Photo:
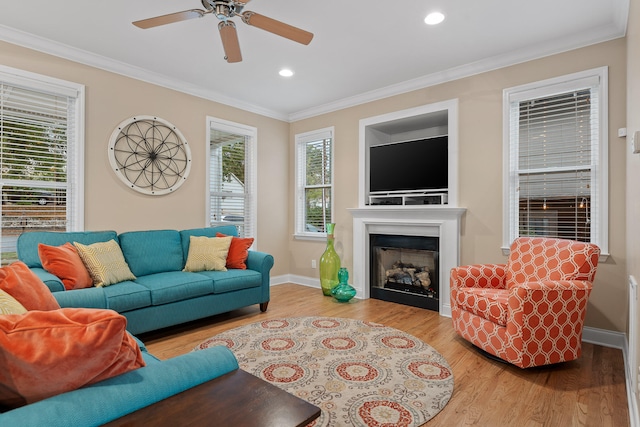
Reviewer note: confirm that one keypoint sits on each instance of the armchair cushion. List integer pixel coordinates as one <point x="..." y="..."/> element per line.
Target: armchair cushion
<point x="488" y="303"/>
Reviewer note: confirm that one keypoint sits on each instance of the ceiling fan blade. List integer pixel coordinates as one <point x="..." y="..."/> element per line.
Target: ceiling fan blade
<point x="230" y="42"/>
<point x="170" y="18"/>
<point x="276" y="27"/>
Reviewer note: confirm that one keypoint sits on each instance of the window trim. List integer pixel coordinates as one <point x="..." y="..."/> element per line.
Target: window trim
<point x="252" y="181"/>
<point x="75" y="174"/>
<point x="300" y="170"/>
<point x="601" y="171"/>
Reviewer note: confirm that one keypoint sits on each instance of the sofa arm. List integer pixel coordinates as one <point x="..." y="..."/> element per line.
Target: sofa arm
<point x="52" y="281"/>
<point x="260" y="261"/>
<point x="478" y="276"/>
<point x="111" y="399"/>
<point x="82" y="298"/>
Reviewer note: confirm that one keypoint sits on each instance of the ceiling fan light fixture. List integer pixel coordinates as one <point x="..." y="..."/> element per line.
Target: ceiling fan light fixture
<point x="222" y="11"/>
<point x="285" y="72"/>
<point x="434" y="18"/>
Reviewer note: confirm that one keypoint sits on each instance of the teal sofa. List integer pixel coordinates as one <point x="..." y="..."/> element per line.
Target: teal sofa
<point x="162" y="294"/>
<point x="116" y="397"/>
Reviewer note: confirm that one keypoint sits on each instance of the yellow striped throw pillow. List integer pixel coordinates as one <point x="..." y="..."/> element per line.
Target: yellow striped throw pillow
<point x="105" y="263"/>
<point x="207" y="253"/>
<point x="10" y="305"/>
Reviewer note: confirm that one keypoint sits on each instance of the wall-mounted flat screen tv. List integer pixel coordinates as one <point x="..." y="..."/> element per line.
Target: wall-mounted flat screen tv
<point x="409" y="166"/>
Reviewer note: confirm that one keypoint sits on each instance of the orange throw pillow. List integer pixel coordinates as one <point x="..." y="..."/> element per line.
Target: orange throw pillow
<point x="21" y="283"/>
<point x="65" y="263"/>
<point x="238" y="251"/>
<point x="45" y="353"/>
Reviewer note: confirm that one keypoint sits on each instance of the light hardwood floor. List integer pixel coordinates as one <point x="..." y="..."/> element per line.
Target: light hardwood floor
<point x="587" y="392"/>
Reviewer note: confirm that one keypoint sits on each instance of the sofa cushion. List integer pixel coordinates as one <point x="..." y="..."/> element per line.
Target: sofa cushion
<point x="227" y="230"/>
<point x="238" y="251"/>
<point x="22" y="284"/>
<point x="27" y="245"/>
<point x="207" y="253"/>
<point x="10" y="305"/>
<point x="154" y="251"/>
<point x="121" y="297"/>
<point x="64" y="262"/>
<point x="105" y="262"/>
<point x="175" y="286"/>
<point x="45" y="353"/>
<point x="126" y="296"/>
<point x="233" y="280"/>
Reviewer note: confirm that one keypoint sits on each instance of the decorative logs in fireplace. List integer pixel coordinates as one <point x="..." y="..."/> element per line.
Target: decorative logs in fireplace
<point x="411" y="278"/>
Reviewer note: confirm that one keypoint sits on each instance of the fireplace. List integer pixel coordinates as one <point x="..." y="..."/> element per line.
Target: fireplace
<point x="439" y="224"/>
<point x="404" y="269"/>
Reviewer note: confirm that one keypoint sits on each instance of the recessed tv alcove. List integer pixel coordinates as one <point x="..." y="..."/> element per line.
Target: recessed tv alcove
<point x="409" y="157"/>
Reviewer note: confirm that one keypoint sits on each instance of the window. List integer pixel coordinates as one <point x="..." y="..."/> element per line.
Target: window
<point x="231" y="176"/>
<point x="556" y="159"/>
<point x="41" y="156"/>
<point x="314" y="182"/>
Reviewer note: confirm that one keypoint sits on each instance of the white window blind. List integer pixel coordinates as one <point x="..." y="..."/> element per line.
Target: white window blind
<point x="314" y="179"/>
<point x="555" y="161"/>
<point x="38" y="144"/>
<point x="231" y="179"/>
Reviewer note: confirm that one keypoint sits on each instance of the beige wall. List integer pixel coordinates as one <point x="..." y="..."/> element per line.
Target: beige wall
<point x="112" y="98"/>
<point x="633" y="160"/>
<point x="480" y="160"/>
<point x="109" y="204"/>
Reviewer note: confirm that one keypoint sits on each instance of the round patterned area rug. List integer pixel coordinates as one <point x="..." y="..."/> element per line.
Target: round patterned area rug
<point x="358" y="373"/>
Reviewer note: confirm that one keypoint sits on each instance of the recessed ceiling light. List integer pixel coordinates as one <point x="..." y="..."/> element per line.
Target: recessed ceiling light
<point x="285" y="72"/>
<point x="434" y="18"/>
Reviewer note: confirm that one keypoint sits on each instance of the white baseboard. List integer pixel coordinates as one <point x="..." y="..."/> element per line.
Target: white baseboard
<point x="604" y="337"/>
<point x="298" y="280"/>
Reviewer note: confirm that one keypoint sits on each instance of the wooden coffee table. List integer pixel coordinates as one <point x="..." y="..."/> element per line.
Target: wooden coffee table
<point x="236" y="399"/>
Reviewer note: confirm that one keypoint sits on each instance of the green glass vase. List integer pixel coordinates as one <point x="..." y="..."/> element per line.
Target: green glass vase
<point x="344" y="291"/>
<point x="329" y="264"/>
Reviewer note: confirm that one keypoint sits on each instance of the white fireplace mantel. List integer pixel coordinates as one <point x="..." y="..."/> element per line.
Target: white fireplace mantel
<point x="434" y="221"/>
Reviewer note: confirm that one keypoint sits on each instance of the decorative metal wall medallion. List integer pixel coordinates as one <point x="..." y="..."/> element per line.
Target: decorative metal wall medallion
<point x="149" y="155"/>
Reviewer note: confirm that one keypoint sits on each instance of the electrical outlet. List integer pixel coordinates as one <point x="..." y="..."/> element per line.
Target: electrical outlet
<point x="313" y="263"/>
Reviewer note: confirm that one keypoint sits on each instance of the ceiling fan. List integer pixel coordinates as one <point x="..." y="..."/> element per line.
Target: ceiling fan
<point x="224" y="10"/>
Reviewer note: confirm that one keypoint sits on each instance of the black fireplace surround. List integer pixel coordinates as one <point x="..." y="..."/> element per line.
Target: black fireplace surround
<point x="404" y="269"/>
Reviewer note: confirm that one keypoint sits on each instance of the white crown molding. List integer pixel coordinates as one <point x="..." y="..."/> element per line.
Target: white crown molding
<point x="593" y="36"/>
<point x="40" y="44"/>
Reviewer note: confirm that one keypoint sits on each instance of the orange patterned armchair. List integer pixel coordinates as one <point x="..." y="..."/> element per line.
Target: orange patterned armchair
<point x="530" y="311"/>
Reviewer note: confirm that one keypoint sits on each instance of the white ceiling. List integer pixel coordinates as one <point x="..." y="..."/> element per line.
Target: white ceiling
<point x="362" y="49"/>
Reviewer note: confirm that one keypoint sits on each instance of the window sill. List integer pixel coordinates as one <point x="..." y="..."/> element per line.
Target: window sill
<point x="319" y="237"/>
